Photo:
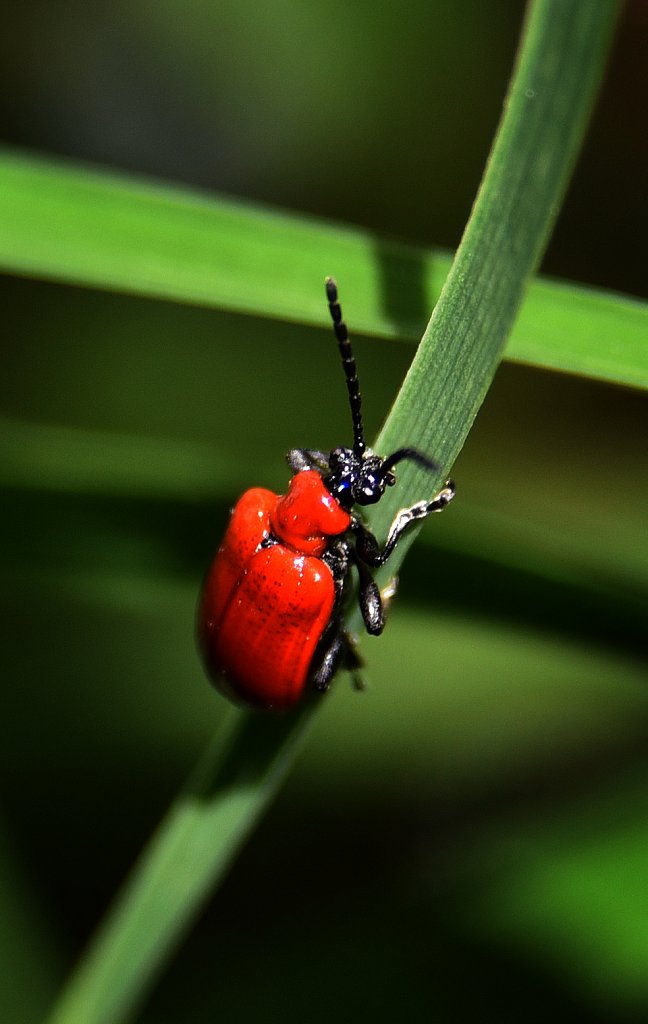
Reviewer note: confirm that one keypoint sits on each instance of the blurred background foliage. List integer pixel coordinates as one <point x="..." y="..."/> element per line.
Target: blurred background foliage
<point x="472" y="842"/>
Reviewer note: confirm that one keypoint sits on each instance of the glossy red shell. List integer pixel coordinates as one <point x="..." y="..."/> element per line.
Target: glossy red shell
<point x="264" y="609"/>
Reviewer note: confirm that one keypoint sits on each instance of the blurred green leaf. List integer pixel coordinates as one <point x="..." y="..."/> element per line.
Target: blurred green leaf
<point x="69" y="459"/>
<point x="572" y="897"/>
<point x="106" y="230"/>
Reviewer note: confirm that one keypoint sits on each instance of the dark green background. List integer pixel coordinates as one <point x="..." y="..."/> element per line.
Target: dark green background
<point x="469" y="839"/>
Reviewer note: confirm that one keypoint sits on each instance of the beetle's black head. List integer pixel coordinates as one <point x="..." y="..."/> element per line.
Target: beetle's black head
<point x="357" y="479"/>
<point x="362" y="479"/>
<point x="356" y="476"/>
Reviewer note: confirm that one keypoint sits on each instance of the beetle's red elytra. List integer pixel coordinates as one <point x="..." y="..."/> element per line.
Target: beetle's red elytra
<point x="270" y="619"/>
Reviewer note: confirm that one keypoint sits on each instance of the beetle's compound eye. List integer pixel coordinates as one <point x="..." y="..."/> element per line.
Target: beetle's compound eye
<point x="341" y="489"/>
<point x="343" y="476"/>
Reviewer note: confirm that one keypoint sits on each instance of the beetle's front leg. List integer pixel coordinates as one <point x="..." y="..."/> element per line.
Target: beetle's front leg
<point x="367" y="547"/>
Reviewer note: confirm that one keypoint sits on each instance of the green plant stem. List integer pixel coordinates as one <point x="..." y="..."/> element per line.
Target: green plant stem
<point x="546" y="112"/>
<point x="194" y="844"/>
<point x="547" y="108"/>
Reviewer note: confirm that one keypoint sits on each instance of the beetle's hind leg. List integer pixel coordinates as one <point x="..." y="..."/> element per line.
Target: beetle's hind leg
<point x="337" y="651"/>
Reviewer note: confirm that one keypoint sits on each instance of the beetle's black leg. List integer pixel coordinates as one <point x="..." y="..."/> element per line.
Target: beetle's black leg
<point x="307" y="458"/>
<point x="337" y="651"/>
<point x="367" y="547"/>
<point x="370" y="600"/>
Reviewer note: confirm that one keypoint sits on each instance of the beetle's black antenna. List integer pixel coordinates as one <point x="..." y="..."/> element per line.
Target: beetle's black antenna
<point x="409" y="453"/>
<point x="349" y="364"/>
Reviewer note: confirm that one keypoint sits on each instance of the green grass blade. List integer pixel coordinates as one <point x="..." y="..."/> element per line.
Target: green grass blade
<point x="547" y="107"/>
<point x="86" y="227"/>
<point x="582" y="331"/>
<point x="548" y="104"/>
<point x="194" y="845"/>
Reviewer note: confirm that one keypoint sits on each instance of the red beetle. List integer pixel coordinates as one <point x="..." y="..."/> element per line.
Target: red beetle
<point x="271" y="614"/>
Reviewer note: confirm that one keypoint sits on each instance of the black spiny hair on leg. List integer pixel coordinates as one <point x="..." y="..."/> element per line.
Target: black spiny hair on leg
<point x="349" y="364"/>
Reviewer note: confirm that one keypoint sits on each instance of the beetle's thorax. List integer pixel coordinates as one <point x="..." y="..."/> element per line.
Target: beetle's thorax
<point x="308" y="515"/>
